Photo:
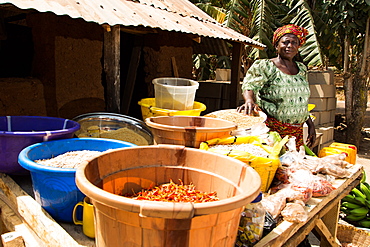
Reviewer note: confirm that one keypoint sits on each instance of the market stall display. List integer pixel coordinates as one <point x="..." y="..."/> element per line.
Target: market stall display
<point x="301" y="191"/>
<point x="322" y="214"/>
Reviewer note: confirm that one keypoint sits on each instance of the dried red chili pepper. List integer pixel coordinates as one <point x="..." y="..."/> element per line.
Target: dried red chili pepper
<point x="172" y="192"/>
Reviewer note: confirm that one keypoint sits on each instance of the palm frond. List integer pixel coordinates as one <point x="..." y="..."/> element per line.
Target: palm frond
<point x="303" y="16"/>
<point x="216" y="13"/>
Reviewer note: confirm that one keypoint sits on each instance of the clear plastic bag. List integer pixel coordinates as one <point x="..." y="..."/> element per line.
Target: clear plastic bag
<point x="275" y="203"/>
<point x="295" y="212"/>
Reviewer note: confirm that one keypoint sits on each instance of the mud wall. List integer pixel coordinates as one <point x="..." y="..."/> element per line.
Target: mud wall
<point x="68" y="62"/>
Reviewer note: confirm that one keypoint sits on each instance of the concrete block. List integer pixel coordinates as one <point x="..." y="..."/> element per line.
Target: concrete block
<point x="322" y="90"/>
<point x="321" y="77"/>
<point x="327" y="133"/>
<point x="321" y="103"/>
<point x="331" y="104"/>
<point x="325" y="117"/>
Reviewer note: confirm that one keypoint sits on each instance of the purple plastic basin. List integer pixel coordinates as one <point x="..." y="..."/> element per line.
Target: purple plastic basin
<point x="18" y="132"/>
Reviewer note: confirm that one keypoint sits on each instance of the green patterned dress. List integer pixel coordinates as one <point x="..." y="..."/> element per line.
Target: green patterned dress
<point x="281" y="96"/>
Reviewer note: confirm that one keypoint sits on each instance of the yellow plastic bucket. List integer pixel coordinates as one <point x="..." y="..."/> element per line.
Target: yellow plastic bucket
<point x="148" y="109"/>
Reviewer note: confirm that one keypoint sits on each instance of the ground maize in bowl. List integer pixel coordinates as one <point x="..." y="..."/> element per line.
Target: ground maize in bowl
<point x="243" y="121"/>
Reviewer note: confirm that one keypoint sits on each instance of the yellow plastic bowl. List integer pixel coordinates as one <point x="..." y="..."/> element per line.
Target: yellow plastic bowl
<point x="148" y="109"/>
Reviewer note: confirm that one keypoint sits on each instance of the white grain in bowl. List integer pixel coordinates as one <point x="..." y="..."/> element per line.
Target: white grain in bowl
<point x="70" y="159"/>
<point x="243" y="121"/>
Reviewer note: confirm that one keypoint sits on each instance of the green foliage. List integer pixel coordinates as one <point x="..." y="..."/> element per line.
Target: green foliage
<point x="346" y="18"/>
<point x="328" y="23"/>
<point x="205" y="65"/>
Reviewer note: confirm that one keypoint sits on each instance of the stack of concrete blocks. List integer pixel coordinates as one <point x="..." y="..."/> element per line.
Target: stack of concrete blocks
<point x="323" y="95"/>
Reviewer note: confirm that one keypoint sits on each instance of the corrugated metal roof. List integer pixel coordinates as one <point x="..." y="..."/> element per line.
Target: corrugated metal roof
<point x="170" y="15"/>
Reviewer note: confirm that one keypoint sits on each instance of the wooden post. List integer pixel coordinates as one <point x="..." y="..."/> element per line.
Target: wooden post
<point x="174" y="67"/>
<point x="235" y="75"/>
<point x="111" y="55"/>
<point x="329" y="226"/>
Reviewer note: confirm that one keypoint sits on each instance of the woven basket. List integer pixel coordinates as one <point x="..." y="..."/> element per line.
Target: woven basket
<point x="349" y="234"/>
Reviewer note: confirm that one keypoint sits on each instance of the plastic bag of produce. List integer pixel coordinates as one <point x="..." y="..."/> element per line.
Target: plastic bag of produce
<point x="295" y="212"/>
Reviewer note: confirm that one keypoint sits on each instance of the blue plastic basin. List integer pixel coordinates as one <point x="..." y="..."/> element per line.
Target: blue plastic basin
<point x="55" y="188"/>
<point x="18" y="132"/>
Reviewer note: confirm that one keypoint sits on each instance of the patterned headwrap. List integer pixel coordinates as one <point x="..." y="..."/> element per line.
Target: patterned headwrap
<point x="298" y="31"/>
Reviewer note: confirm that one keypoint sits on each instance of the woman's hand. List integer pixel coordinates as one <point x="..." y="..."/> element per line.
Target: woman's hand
<point x="249" y="106"/>
<point x="311" y="137"/>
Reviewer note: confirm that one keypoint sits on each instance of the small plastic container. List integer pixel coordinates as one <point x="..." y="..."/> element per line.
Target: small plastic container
<point x="175" y="93"/>
<point x="251" y="224"/>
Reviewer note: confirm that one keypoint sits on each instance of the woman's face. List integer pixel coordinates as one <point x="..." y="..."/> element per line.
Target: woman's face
<point x="287" y="46"/>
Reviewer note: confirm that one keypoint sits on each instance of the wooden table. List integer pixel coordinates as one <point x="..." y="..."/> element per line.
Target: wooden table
<point x="323" y="217"/>
<point x="30" y="225"/>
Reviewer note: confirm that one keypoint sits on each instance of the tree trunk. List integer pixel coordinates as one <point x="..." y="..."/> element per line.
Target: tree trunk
<point x="355" y="120"/>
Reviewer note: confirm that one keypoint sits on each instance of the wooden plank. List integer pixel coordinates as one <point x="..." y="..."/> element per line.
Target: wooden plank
<point x="30" y="238"/>
<point x="112" y="45"/>
<point x="13" y="223"/>
<point x="328" y="239"/>
<point x="174" y="67"/>
<point x="12" y="239"/>
<point x="9" y="218"/>
<point x="330" y="220"/>
<point x="32" y="214"/>
<point x="318" y="207"/>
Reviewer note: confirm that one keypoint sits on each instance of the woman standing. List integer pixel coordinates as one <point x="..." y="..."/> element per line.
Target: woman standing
<point x="279" y="87"/>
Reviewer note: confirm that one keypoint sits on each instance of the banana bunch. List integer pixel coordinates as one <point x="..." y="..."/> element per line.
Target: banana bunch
<point x="356" y="205"/>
